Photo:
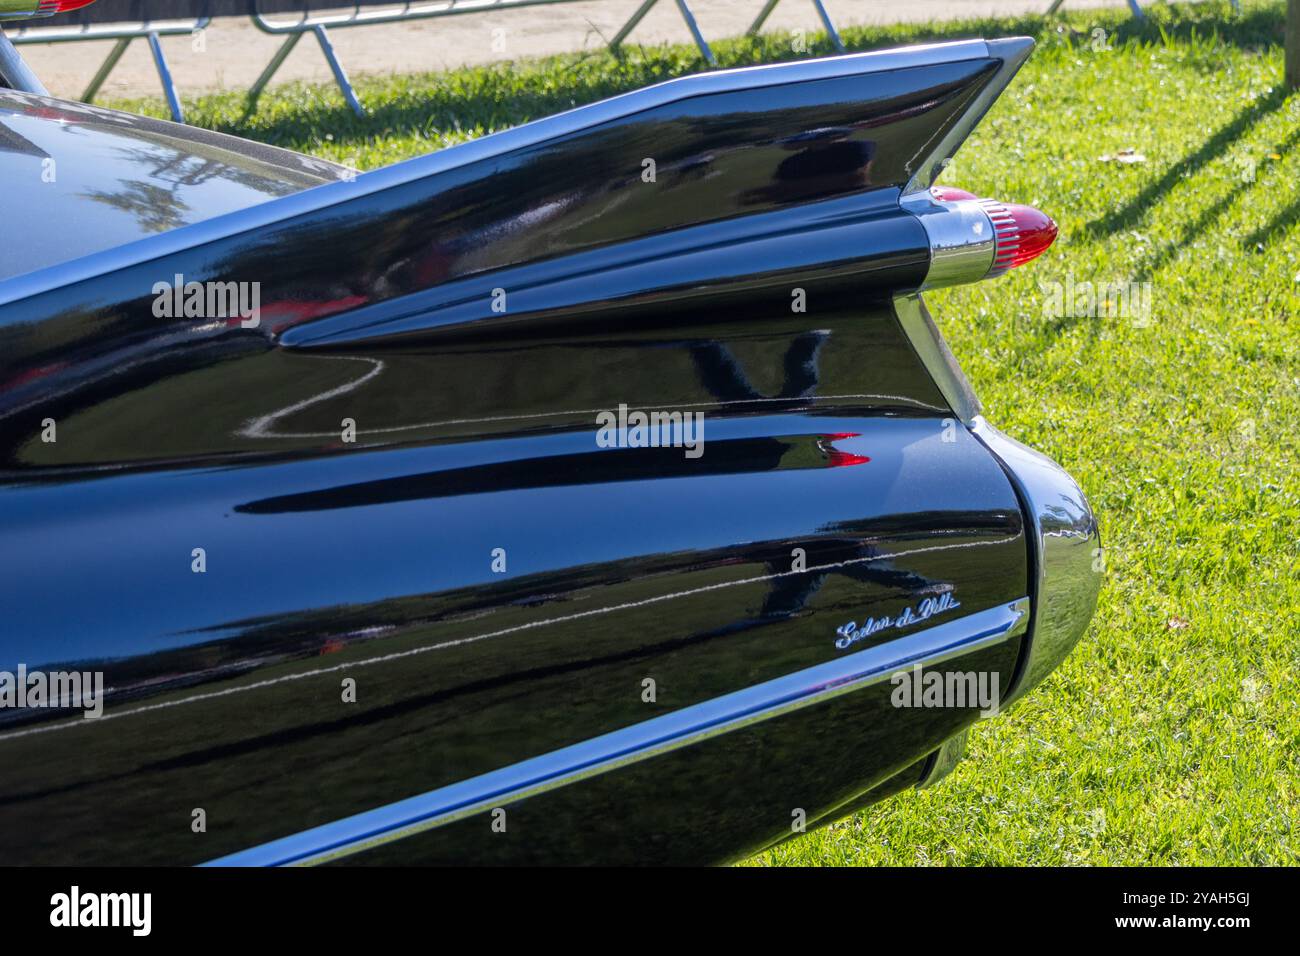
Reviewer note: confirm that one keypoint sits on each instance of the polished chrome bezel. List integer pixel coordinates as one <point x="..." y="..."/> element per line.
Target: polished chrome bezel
<point x="963" y="241"/>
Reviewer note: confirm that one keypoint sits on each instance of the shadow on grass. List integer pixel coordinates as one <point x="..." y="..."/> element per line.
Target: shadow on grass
<point x="1158" y="258"/>
<point x="1280" y="223"/>
<point x="1131" y="213"/>
<point x="502" y="95"/>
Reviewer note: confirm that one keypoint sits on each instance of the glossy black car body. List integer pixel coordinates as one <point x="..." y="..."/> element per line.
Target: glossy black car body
<point x="393" y="485"/>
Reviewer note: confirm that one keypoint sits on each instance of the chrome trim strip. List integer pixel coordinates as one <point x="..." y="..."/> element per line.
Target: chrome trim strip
<point x="518" y="137"/>
<point x="933" y="351"/>
<point x="650" y="738"/>
<point x="1013" y="52"/>
<point x="1068" y="564"/>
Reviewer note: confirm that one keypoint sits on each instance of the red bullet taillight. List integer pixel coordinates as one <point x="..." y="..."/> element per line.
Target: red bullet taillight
<point x="1022" y="233"/>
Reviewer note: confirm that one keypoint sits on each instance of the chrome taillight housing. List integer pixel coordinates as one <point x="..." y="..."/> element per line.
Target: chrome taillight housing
<point x="973" y="238"/>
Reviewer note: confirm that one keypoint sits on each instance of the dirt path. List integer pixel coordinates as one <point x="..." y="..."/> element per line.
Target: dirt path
<point x="236" y="52"/>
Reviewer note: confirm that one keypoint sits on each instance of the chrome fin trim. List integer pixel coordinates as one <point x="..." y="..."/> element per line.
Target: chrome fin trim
<point x="1013" y="52"/>
<point x="933" y="351"/>
<point x="573" y="121"/>
<point x="650" y="738"/>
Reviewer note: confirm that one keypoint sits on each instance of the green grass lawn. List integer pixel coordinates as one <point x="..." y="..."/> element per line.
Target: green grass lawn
<point x="1172" y="734"/>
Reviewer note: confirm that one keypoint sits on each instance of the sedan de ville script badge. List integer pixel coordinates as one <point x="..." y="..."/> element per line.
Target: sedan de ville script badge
<point x="850" y="633"/>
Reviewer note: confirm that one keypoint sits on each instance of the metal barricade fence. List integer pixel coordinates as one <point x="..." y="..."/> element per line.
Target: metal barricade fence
<point x="128" y="20"/>
<point x="123" y="32"/>
<point x="319" y="23"/>
<point x="364" y="14"/>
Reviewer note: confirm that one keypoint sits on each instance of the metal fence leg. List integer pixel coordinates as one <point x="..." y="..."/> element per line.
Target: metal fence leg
<point x="761" y="18"/>
<point x="15" y="71"/>
<point x="340" y="77"/>
<point x="1056" y="5"/>
<point x="695" y="32"/>
<point x="1136" y="10"/>
<point x="628" y="27"/>
<point x="105" y="68"/>
<point x="281" y="55"/>
<point x="165" y="77"/>
<point x="831" y="32"/>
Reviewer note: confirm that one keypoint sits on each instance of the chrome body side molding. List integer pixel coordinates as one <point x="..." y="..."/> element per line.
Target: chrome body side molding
<point x="1067" y="555"/>
<point x="650" y="738"/>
